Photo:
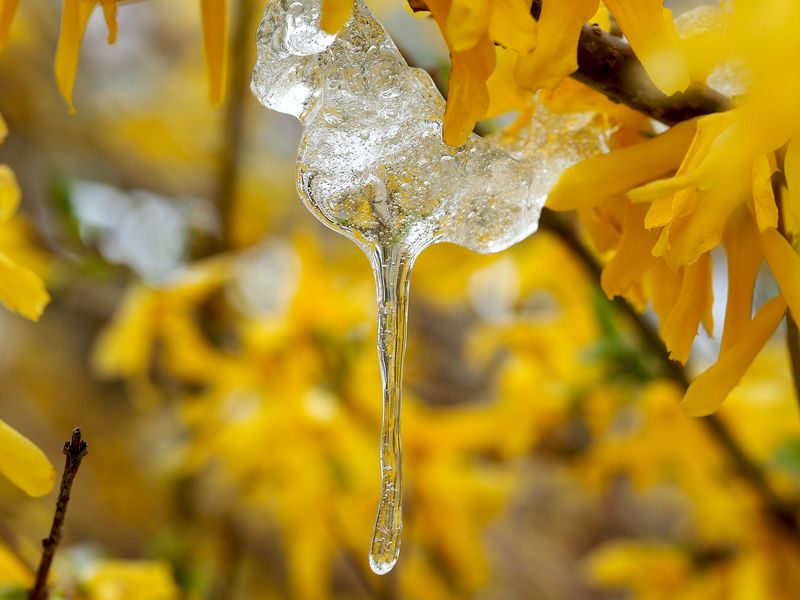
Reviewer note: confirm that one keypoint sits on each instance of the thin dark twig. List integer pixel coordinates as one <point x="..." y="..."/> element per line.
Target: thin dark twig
<point x="74" y="449"/>
<point x="776" y="509"/>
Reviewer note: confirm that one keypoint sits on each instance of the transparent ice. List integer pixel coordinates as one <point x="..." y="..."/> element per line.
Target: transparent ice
<point x="372" y="166"/>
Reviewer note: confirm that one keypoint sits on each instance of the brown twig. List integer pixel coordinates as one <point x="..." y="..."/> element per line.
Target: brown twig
<point x="74" y="449"/>
<point x="781" y="513"/>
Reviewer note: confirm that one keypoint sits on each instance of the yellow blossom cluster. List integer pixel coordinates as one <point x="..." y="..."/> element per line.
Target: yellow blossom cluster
<point x="661" y="206"/>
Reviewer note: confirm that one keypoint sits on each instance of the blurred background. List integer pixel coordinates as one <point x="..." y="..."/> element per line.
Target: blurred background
<point x="216" y="345"/>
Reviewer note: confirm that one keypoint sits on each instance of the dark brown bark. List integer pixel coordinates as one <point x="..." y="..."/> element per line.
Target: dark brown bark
<point x="74" y="449"/>
<point x="607" y="64"/>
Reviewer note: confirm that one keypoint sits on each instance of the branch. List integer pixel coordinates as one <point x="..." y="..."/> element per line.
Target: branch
<point x="778" y="511"/>
<point x="75" y="449"/>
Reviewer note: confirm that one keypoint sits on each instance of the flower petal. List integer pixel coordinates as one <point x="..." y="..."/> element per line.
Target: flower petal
<point x="591" y="181"/>
<point x="335" y="13"/>
<point x="504" y="94"/>
<point x="700" y="223"/>
<point x="468" y="94"/>
<point x="627" y="268"/>
<point x="651" y="33"/>
<point x="21" y="290"/>
<point x="785" y="266"/>
<point x="466" y="23"/>
<point x="744" y="254"/>
<point x="763" y="195"/>
<point x="214" y="14"/>
<point x="23" y="463"/>
<point x="702" y="156"/>
<point x="693" y="305"/>
<point x="556" y="52"/>
<point x="110" y="14"/>
<point x="73" y="24"/>
<point x="710" y="389"/>
<point x="512" y="26"/>
<point x="124" y="346"/>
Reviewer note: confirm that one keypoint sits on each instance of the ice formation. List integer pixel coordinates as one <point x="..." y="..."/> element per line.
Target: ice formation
<point x="372" y="166"/>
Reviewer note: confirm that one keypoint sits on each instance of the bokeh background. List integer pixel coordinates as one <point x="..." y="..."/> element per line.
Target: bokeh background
<point x="216" y="345"/>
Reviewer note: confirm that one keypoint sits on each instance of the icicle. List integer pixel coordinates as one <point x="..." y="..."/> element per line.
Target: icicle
<point x="372" y="166"/>
<point x="392" y="269"/>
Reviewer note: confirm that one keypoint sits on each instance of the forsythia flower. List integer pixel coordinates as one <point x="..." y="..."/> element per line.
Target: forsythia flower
<point x="706" y="183"/>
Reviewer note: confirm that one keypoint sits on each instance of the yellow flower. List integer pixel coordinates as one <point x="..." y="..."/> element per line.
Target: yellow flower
<point x="74" y="18"/>
<point x="652" y="36"/>
<point x="702" y="183"/>
<point x="471" y="28"/>
<point x="23" y="463"/>
<point x="556" y="53"/>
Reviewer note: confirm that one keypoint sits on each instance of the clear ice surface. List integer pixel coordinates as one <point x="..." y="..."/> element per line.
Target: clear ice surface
<point x="372" y="166"/>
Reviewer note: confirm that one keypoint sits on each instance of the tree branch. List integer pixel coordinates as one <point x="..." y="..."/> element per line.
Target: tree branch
<point x="75" y="449"/>
<point x="778" y="511"/>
